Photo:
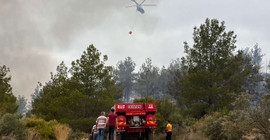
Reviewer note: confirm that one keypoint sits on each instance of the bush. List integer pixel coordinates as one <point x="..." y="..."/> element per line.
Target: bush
<point x="219" y="126"/>
<point x="11" y="126"/>
<point x="260" y="117"/>
<point x="161" y="123"/>
<point x="146" y="99"/>
<point x="46" y="130"/>
<point x="214" y="126"/>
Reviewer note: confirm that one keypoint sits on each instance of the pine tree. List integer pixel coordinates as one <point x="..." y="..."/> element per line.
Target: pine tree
<point x="175" y="74"/>
<point x="78" y="95"/>
<point x="215" y="72"/>
<point x="254" y="85"/>
<point x="92" y="76"/>
<point x="7" y="99"/>
<point x="126" y="76"/>
<point x="147" y="80"/>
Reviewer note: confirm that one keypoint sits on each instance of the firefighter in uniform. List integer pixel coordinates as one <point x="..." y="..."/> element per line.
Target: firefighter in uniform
<point x="168" y="130"/>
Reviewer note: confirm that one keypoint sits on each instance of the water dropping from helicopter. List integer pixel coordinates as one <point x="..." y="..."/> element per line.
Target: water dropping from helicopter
<point x="139" y="9"/>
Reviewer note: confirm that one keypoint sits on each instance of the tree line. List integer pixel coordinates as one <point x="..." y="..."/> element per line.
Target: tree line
<point x="212" y="78"/>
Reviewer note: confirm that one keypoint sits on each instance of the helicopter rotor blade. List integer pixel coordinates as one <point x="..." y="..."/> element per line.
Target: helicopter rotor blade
<point x="149" y="5"/>
<point x="131" y="6"/>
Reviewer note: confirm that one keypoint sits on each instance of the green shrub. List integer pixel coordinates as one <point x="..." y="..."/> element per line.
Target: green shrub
<point x="214" y="126"/>
<point x="161" y="123"/>
<point x="11" y="127"/>
<point x="260" y="117"/>
<point x="146" y="99"/>
<point x="219" y="126"/>
<point x="189" y="121"/>
<point x="45" y="129"/>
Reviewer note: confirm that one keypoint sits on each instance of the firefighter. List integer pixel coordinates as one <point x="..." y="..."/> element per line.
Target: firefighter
<point x="168" y="130"/>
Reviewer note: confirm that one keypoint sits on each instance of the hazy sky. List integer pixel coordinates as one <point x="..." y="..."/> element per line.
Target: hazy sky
<point x="36" y="35"/>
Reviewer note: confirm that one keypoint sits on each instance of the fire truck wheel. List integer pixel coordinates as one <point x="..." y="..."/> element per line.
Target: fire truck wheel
<point x="150" y="135"/>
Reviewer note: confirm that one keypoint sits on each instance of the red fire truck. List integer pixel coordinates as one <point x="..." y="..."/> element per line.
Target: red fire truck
<point x="135" y="121"/>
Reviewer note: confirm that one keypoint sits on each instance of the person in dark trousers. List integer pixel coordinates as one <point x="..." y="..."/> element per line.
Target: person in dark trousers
<point x="112" y="122"/>
<point x="94" y="132"/>
<point x="168" y="130"/>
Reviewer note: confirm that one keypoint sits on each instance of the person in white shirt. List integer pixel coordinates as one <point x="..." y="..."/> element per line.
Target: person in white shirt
<point x="94" y="132"/>
<point x="101" y="125"/>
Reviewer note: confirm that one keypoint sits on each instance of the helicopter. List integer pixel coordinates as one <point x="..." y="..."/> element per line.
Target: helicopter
<point x="139" y="6"/>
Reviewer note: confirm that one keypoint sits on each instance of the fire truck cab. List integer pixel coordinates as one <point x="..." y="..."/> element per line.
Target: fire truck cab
<point x="135" y="121"/>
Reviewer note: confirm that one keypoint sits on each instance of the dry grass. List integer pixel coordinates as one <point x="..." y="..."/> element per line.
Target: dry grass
<point x="190" y="133"/>
<point x="7" y="138"/>
<point x="184" y="133"/>
<point x="61" y="132"/>
<point x="253" y="135"/>
<point x="32" y="134"/>
<point x="193" y="136"/>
